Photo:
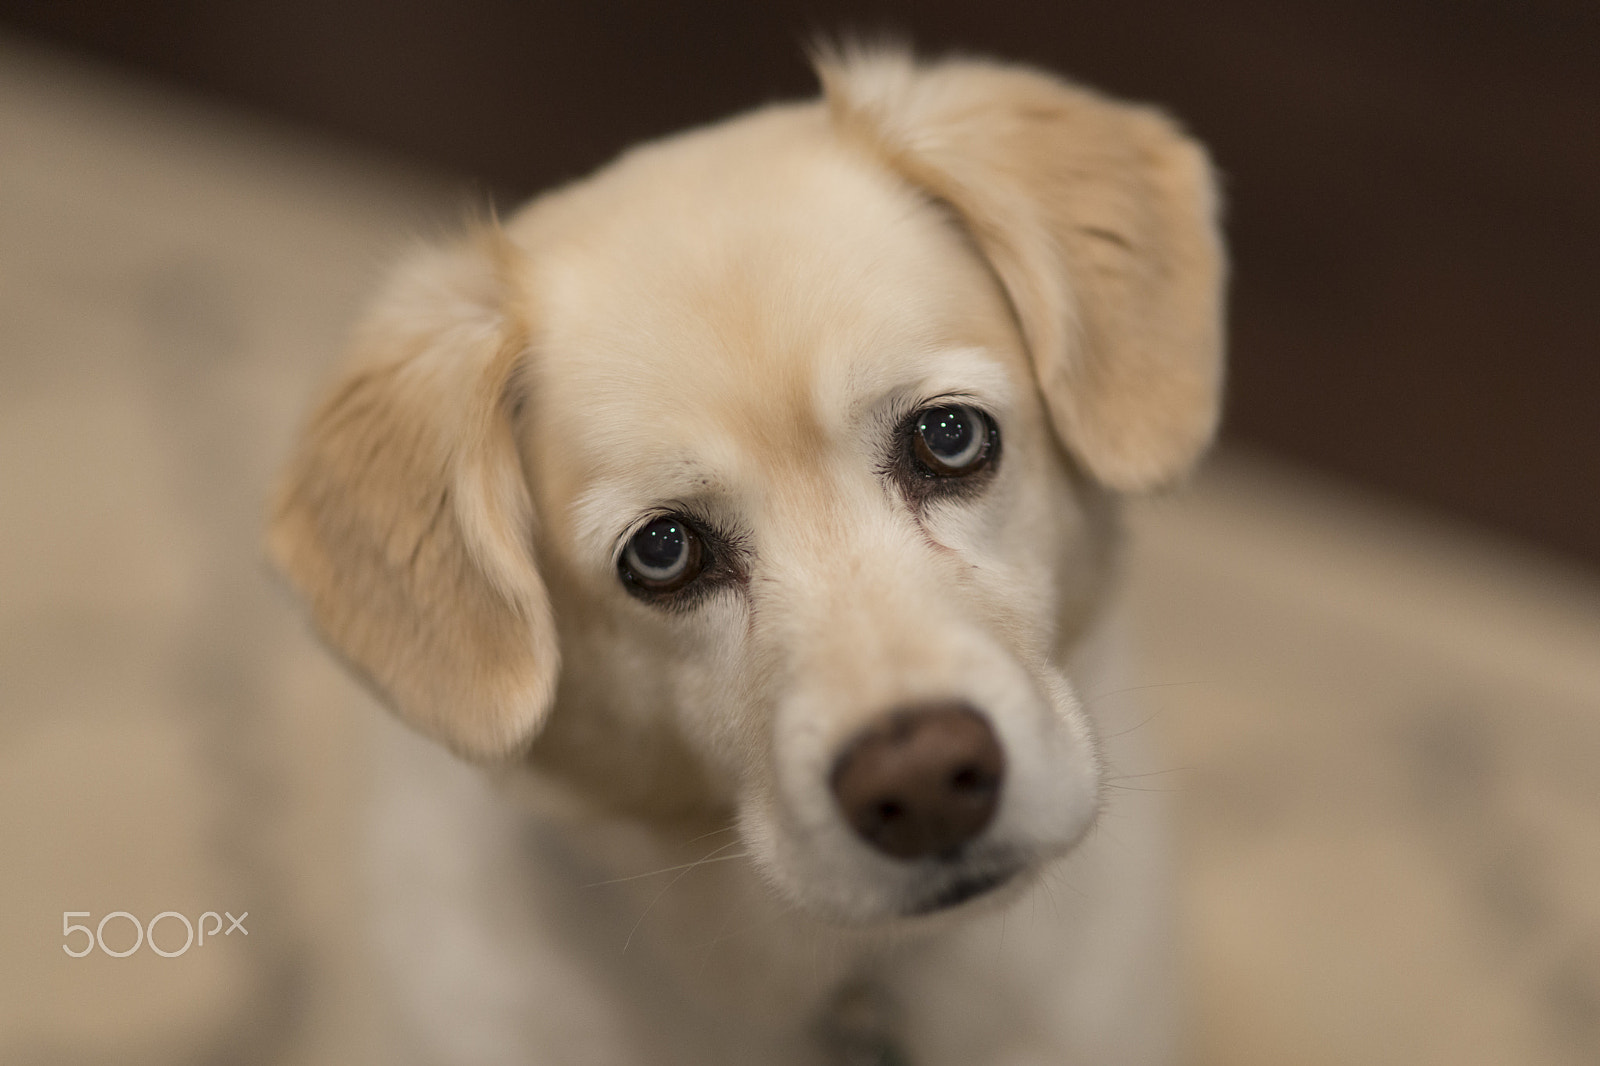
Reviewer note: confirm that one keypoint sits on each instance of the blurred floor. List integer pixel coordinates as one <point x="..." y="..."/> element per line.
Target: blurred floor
<point x="1384" y="732"/>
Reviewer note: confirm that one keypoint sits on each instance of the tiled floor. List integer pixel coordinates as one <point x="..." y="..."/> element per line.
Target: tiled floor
<point x="1383" y="733"/>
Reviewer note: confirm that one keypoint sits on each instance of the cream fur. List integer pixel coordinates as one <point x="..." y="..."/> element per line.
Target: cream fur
<point x="732" y="322"/>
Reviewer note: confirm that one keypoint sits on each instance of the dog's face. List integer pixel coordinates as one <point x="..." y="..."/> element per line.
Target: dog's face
<point x="769" y="471"/>
<point x="731" y="411"/>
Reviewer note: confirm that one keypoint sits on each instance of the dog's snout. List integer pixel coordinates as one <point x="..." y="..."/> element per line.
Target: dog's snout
<point x="921" y="781"/>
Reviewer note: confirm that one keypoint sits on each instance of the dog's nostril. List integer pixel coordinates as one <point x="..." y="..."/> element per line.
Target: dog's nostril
<point x="968" y="779"/>
<point x="921" y="781"/>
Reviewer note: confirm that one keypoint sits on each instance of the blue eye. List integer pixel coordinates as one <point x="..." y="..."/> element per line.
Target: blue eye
<point x="664" y="555"/>
<point x="952" y="440"/>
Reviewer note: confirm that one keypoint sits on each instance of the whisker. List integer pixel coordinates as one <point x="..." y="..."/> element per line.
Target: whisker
<point x="668" y="886"/>
<point x="1090" y="701"/>
<point x="1050" y="894"/>
<point x="729" y="828"/>
<point x="1059" y="877"/>
<point x="1152" y="773"/>
<point x="1146" y="720"/>
<point x="728" y="934"/>
<point x="711" y="945"/>
<point x="669" y="869"/>
<point x="1144" y="688"/>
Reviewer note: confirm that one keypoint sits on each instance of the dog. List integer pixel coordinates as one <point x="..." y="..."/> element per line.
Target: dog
<point x="747" y="511"/>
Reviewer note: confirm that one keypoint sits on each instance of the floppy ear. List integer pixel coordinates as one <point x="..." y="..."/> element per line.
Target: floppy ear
<point x="1099" y="219"/>
<point x="405" y="520"/>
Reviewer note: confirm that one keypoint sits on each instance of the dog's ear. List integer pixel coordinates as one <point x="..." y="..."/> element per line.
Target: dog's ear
<point x="405" y="520"/>
<point x="1099" y="219"/>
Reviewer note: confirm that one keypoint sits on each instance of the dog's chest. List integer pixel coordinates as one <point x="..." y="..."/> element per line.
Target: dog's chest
<point x="860" y="1026"/>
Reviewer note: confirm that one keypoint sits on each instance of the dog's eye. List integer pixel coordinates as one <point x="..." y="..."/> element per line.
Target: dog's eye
<point x="953" y="440"/>
<point x="663" y="556"/>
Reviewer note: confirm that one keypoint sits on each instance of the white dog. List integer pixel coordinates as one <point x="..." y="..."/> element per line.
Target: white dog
<point x="745" y="508"/>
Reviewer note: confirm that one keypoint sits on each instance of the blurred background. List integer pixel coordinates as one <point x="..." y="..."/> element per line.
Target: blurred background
<point x="1370" y="632"/>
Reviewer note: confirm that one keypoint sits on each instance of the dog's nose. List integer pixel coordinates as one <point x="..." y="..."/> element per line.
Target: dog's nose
<point x="921" y="781"/>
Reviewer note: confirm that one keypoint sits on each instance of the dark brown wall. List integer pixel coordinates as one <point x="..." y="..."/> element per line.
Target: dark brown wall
<point x="1414" y="186"/>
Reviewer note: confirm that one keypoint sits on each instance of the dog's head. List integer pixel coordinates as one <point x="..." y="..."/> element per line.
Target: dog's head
<point x="769" y="470"/>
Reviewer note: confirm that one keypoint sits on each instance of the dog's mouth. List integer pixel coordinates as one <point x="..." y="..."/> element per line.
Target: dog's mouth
<point x="960" y="890"/>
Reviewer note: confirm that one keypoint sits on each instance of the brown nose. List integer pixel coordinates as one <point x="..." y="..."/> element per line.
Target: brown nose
<point x="921" y="781"/>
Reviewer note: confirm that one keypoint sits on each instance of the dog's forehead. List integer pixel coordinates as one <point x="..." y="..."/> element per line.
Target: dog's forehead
<point x="741" y="294"/>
